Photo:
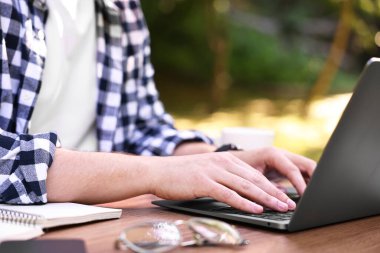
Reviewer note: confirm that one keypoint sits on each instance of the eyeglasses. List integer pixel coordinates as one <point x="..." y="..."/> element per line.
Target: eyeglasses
<point x="162" y="236"/>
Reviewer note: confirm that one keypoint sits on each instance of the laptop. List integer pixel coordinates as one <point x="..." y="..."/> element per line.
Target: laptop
<point x="346" y="182"/>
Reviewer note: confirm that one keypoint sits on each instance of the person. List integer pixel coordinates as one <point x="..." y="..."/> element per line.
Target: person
<point x="81" y="119"/>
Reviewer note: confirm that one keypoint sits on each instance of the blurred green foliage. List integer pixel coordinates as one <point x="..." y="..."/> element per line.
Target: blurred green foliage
<point x="259" y="59"/>
<point x="179" y="38"/>
<point x="290" y="53"/>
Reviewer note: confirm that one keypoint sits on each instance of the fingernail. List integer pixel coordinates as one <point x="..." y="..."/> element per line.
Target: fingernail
<point x="258" y="209"/>
<point x="282" y="206"/>
<point x="291" y="204"/>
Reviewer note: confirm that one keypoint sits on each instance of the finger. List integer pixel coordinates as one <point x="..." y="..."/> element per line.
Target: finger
<point x="305" y="164"/>
<point x="253" y="176"/>
<point x="223" y="194"/>
<point x="286" y="167"/>
<point x="253" y="192"/>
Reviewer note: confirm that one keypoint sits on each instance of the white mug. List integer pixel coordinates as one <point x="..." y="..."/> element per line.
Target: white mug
<point x="247" y="138"/>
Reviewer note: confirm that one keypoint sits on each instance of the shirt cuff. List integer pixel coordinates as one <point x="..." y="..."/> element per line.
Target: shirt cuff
<point x="27" y="184"/>
<point x="185" y="136"/>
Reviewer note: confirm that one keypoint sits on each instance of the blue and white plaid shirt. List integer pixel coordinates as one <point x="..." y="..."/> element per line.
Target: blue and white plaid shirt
<point x="130" y="116"/>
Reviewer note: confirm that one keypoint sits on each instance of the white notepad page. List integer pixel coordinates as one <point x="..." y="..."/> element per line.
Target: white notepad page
<point x="58" y="214"/>
<point x="12" y="231"/>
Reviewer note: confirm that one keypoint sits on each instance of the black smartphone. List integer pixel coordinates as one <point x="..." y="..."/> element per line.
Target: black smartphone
<point x="44" y="246"/>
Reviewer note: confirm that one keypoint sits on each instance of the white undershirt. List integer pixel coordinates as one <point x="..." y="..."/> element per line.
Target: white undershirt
<point x="67" y="100"/>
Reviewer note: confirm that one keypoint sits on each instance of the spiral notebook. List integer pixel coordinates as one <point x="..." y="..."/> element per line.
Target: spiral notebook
<point x="26" y="222"/>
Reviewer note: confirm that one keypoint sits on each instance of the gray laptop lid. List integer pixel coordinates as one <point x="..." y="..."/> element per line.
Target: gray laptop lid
<point x="346" y="182"/>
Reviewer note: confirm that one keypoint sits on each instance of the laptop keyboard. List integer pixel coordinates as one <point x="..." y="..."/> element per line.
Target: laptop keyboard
<point x="267" y="214"/>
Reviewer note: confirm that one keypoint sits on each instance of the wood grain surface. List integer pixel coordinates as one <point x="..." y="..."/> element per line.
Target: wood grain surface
<point x="356" y="236"/>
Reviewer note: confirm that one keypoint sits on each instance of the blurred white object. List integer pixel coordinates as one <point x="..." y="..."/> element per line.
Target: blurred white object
<point x="247" y="137"/>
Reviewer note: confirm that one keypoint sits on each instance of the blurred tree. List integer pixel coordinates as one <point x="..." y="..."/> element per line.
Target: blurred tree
<point x="337" y="51"/>
<point x="366" y="25"/>
<point x="217" y="29"/>
<point x="361" y="17"/>
<point x="284" y="43"/>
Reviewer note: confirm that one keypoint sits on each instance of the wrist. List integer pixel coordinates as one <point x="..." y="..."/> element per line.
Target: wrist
<point x="152" y="168"/>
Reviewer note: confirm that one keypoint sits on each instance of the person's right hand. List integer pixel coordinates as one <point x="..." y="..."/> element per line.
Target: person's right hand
<point x="221" y="176"/>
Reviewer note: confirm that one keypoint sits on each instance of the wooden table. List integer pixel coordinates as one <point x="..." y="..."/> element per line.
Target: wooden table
<point x="355" y="236"/>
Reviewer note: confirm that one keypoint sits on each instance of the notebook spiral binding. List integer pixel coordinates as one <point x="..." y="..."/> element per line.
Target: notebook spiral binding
<point x="19" y="217"/>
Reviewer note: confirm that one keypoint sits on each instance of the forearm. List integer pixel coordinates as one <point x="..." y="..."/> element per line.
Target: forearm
<point x="93" y="177"/>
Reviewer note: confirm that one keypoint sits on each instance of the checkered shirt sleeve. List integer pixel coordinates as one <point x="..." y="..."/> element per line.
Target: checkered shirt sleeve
<point x="24" y="158"/>
<point x="23" y="166"/>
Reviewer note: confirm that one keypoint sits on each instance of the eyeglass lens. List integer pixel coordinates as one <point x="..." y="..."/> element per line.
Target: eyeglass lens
<point x="152" y="237"/>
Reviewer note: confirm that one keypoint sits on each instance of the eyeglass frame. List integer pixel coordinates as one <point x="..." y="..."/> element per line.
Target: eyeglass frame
<point x="122" y="243"/>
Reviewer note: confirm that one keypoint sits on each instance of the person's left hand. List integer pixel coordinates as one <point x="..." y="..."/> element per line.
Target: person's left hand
<point x="296" y="168"/>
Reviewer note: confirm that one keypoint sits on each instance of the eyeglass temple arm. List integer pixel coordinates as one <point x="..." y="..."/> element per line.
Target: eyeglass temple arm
<point x="198" y="240"/>
<point x="188" y="243"/>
